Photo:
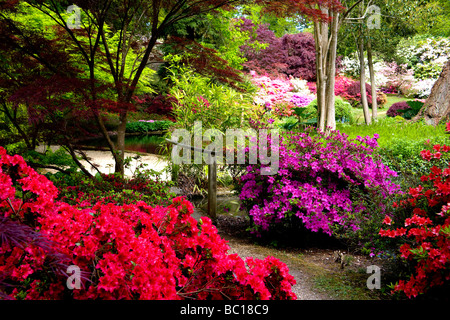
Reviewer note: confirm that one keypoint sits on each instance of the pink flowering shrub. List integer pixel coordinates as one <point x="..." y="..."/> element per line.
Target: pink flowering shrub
<point x="320" y="181"/>
<point x="132" y="251"/>
<point x="272" y="91"/>
<point x="341" y="85"/>
<point x="281" y="95"/>
<point x="353" y="94"/>
<point x="301" y="100"/>
<point x="399" y="79"/>
<point x="350" y="90"/>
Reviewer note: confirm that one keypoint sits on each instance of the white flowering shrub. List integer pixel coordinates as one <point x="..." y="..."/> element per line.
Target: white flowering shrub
<point x="300" y="86"/>
<point x="425" y="56"/>
<point x="422" y="88"/>
<point x="351" y="68"/>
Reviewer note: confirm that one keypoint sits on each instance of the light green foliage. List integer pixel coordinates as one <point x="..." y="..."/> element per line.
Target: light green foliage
<point x="433" y="17"/>
<point x="216" y="106"/>
<point x="390" y="129"/>
<point x="45" y="21"/>
<point x="59" y="158"/>
<point x="228" y="38"/>
<point x="400" y="143"/>
<point x="343" y="110"/>
<point x="279" y="25"/>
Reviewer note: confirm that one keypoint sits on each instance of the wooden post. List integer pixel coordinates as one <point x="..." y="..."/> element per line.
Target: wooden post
<point x="212" y="180"/>
<point x="212" y="188"/>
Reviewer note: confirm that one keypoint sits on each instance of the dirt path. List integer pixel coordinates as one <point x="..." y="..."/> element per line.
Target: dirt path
<point x="317" y="273"/>
<point x="233" y="230"/>
<point x="303" y="288"/>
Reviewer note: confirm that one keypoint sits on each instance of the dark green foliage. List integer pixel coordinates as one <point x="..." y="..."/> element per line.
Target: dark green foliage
<point x="343" y="110"/>
<point x="77" y="188"/>
<point x="405" y="109"/>
<point x="146" y="126"/>
<point x="414" y="109"/>
<point x="58" y="158"/>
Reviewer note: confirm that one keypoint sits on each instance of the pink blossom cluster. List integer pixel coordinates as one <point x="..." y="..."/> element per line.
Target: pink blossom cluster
<point x="341" y="85"/>
<point x="271" y="91"/>
<point x="319" y="181"/>
<point x="301" y="100"/>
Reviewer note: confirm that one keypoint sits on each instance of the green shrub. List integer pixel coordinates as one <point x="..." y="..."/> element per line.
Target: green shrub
<point x="144" y="126"/>
<point x="427" y="70"/>
<point x="343" y="110"/>
<point x="59" y="158"/>
<point x="403" y="156"/>
<point x="111" y="121"/>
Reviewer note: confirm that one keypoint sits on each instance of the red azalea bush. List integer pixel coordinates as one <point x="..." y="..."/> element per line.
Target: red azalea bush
<point x="425" y="234"/>
<point x="133" y="251"/>
<point x="111" y="188"/>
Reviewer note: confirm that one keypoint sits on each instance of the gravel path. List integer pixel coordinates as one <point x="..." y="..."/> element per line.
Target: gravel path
<point x="303" y="288"/>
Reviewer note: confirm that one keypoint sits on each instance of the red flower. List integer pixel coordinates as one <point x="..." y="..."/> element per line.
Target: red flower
<point x="426" y="154"/>
<point x="387" y="220"/>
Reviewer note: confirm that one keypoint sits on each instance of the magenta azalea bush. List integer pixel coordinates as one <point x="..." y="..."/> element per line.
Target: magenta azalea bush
<point x="301" y="100"/>
<point x="321" y="181"/>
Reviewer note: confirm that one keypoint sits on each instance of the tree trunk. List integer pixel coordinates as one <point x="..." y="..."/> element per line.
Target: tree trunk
<point x="120" y="160"/>
<point x="362" y="81"/>
<point x="321" y="40"/>
<point x="372" y="81"/>
<point x="437" y="106"/>
<point x="331" y="70"/>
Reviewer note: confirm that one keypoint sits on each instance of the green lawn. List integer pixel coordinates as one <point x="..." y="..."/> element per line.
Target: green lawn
<point x="391" y="99"/>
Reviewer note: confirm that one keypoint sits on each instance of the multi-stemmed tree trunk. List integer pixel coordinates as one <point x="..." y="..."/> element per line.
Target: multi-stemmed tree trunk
<point x="326" y="37"/>
<point x="437" y="106"/>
